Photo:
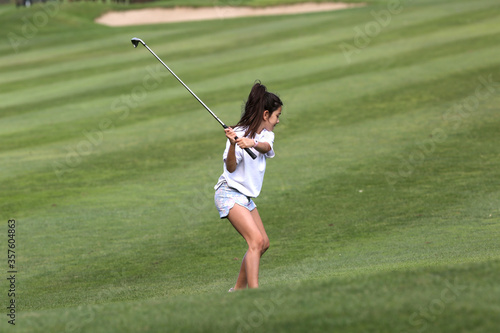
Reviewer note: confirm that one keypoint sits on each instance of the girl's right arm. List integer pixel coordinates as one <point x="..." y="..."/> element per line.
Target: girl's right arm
<point x="231" y="154"/>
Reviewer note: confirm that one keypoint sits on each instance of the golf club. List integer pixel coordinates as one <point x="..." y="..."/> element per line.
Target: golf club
<point x="136" y="42"/>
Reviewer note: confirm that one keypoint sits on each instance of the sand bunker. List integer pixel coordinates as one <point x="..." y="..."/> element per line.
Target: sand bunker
<point x="181" y="14"/>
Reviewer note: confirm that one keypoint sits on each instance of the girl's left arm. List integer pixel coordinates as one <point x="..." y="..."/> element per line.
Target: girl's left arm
<point x="262" y="146"/>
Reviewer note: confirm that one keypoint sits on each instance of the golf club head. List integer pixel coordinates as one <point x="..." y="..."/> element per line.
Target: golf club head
<point x="135" y="41"/>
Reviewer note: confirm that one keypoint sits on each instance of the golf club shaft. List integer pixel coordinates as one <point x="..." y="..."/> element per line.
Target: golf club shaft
<point x="136" y="40"/>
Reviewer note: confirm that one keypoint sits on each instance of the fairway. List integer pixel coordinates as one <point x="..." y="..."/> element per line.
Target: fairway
<point x="382" y="204"/>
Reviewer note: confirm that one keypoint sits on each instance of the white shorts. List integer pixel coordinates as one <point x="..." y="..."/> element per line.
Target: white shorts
<point x="225" y="198"/>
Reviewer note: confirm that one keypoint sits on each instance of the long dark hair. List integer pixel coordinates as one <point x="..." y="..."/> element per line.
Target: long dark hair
<point x="258" y="101"/>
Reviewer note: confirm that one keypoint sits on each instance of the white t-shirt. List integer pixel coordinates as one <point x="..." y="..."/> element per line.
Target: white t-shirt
<point x="249" y="173"/>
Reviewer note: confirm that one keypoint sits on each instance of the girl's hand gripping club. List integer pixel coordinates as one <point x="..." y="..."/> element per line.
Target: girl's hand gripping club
<point x="248" y="150"/>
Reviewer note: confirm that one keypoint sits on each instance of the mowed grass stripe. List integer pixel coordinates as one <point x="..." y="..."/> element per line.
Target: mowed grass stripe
<point x="76" y="49"/>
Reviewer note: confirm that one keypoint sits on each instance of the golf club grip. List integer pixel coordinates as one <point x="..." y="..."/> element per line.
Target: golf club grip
<point x="249" y="151"/>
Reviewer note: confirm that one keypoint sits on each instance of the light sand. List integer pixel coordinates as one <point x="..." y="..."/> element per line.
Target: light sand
<point x="181" y="14"/>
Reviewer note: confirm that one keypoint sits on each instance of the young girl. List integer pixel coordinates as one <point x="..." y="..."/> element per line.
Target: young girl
<point x="242" y="177"/>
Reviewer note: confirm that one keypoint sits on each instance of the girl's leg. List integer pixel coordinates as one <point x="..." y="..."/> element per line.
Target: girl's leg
<point x="242" y="281"/>
<point x="243" y="221"/>
<point x="260" y="225"/>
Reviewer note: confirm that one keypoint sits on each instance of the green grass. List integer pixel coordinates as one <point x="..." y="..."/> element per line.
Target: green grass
<point x="382" y="204"/>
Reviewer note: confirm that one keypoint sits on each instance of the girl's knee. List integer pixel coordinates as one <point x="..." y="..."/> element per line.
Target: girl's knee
<point x="257" y="244"/>
<point x="265" y="245"/>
